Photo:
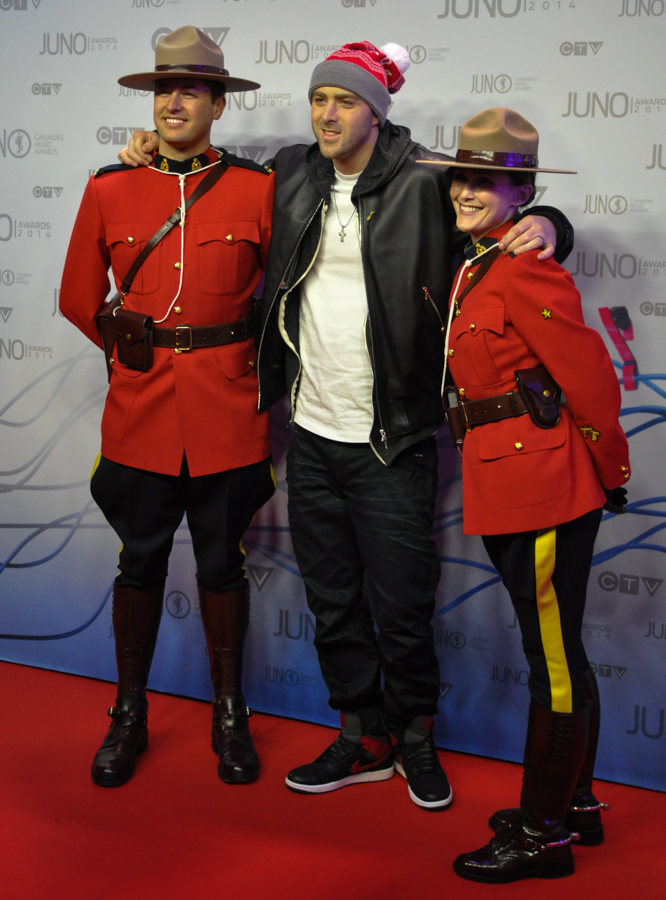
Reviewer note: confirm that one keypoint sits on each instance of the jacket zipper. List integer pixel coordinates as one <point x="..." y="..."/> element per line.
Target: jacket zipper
<point x="371" y="353"/>
<point x="288" y="268"/>
<point x="283" y="302"/>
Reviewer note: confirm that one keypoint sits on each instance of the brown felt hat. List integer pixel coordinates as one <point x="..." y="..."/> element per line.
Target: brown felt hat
<point x="498" y="139"/>
<point x="187" y="52"/>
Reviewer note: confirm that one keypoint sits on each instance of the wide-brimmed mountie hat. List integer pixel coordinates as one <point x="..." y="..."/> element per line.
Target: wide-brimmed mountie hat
<point x="187" y="52"/>
<point x="498" y="139"/>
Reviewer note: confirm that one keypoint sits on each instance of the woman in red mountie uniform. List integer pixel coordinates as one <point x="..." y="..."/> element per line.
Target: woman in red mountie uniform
<point x="535" y="480"/>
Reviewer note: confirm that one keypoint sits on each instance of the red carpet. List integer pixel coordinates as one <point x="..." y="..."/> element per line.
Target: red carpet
<point x="175" y="831"/>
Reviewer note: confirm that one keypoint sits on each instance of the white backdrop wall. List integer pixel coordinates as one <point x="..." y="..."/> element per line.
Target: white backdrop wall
<point x="589" y="74"/>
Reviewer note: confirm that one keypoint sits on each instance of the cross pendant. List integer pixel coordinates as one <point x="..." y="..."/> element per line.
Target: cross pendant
<point x="343" y="234"/>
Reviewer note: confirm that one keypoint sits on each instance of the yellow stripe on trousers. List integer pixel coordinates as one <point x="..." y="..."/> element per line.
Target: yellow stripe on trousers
<point x="549" y="621"/>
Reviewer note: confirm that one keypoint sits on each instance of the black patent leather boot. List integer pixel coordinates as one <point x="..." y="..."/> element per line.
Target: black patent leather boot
<point x="225" y="616"/>
<point x="584" y="815"/>
<point x="136" y="620"/>
<point x="534" y="842"/>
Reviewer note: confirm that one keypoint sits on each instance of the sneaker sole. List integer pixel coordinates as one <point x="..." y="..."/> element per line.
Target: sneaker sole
<point x="424" y="804"/>
<point x="378" y="775"/>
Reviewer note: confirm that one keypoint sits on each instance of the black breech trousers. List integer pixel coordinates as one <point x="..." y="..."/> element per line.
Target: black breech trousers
<point x="145" y="509"/>
<point x="546" y="574"/>
<point x="362" y="537"/>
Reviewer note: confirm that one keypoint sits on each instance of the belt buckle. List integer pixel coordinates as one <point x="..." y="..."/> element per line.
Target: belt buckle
<point x="179" y="330"/>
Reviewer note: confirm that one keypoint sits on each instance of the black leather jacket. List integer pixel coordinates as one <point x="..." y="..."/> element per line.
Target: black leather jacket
<point x="409" y="246"/>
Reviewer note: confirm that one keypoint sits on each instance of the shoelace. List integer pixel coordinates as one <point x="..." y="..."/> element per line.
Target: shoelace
<point x="340" y="749"/>
<point x="421" y="757"/>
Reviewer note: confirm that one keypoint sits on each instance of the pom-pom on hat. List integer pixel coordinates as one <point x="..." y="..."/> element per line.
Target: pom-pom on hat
<point x="372" y="73"/>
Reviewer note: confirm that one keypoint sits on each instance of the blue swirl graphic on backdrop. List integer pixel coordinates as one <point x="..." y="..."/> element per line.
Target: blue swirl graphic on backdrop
<point x="260" y="538"/>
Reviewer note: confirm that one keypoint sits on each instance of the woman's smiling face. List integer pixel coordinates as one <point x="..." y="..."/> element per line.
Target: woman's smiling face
<point x="484" y="199"/>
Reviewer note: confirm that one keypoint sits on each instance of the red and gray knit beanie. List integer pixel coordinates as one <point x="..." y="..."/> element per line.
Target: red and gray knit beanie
<point x="372" y="74"/>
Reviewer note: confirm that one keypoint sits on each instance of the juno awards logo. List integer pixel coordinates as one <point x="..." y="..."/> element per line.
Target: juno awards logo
<point x="17" y="143"/>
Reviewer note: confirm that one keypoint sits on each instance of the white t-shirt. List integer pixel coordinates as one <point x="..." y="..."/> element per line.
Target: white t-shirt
<point x="335" y="390"/>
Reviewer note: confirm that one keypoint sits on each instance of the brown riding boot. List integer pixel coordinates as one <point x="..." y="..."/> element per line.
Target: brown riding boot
<point x="534" y="841"/>
<point x="136" y="620"/>
<point x="225" y="617"/>
<point x="584" y="815"/>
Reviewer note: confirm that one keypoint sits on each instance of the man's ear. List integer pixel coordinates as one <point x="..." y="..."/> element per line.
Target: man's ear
<point x="219" y="106"/>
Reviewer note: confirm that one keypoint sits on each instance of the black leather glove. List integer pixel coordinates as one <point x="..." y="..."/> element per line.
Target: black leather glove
<point x="616" y="501"/>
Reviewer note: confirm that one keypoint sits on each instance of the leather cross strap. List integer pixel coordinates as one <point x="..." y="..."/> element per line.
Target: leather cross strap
<point x="484" y="265"/>
<point x="194" y="337"/>
<point x="203" y="187"/>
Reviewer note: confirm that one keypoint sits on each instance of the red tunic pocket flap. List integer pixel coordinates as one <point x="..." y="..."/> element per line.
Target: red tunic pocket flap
<point x="487" y="318"/>
<point x="227" y="232"/>
<point x="131" y="234"/>
<point x="516" y="437"/>
<point x="237" y="359"/>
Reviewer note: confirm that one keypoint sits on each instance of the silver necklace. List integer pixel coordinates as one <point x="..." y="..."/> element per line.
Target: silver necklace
<point x="342" y="232"/>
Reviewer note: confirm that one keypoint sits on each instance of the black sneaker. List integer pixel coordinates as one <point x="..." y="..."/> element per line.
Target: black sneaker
<point x="415" y="758"/>
<point x="344" y="762"/>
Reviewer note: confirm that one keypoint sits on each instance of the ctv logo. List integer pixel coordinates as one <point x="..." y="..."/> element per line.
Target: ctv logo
<point x="45" y="89"/>
<point x="116" y="135"/>
<point x="579" y="48"/>
<point x="17" y="5"/>
<point x="46" y="192"/>
<point x="603" y="670"/>
<point x="628" y="584"/>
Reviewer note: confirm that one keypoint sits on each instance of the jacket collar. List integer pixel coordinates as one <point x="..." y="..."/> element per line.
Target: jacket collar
<point x="394" y="144"/>
<point x="185" y="166"/>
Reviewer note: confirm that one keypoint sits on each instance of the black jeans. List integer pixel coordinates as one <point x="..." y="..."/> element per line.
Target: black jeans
<point x="145" y="509"/>
<point x="362" y="538"/>
<point x="546" y="573"/>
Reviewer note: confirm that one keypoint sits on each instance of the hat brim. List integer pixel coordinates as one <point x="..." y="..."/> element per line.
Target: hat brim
<point x="145" y="81"/>
<point x="454" y="164"/>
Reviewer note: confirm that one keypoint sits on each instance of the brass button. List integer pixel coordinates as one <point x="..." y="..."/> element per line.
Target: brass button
<point x="470" y="275"/>
<point x="472" y="327"/>
<point x="230" y="237"/>
<point x="443" y="329"/>
<point x="130" y="240"/>
<point x="546" y="393"/>
<point x="178" y="310"/>
<point x="111" y="361"/>
<point x="451" y="353"/>
<point x="128" y="336"/>
<point x="177" y="265"/>
<point x="461" y="391"/>
<point x="251" y="363"/>
<point x="624" y="468"/>
<point x="625" y="474"/>
<point x="518" y="445"/>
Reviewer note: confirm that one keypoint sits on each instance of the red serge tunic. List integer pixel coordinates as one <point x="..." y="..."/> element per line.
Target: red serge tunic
<point x="201" y="403"/>
<point x="517" y="476"/>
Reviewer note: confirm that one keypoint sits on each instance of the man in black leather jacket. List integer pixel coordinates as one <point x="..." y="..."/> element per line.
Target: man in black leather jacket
<point x="361" y="508"/>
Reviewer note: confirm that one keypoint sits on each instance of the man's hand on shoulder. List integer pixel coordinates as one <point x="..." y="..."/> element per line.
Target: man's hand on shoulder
<point x="139" y="149"/>
<point x="530" y="233"/>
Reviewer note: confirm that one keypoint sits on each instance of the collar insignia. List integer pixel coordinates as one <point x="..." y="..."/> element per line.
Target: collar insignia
<point x="473" y="250"/>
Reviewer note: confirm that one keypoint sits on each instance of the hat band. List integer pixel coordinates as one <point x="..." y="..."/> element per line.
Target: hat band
<point x="184" y="67"/>
<point x="498" y="159"/>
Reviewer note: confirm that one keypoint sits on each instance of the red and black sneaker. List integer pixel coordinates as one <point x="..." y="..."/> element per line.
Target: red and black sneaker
<point x="344" y="762"/>
<point x="417" y="761"/>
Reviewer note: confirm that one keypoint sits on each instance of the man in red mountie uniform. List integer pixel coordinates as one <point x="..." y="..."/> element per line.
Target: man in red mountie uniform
<point x="182" y="436"/>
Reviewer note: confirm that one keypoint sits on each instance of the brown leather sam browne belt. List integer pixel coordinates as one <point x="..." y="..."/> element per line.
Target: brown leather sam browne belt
<point x="194" y="337"/>
<point x="537" y="395"/>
